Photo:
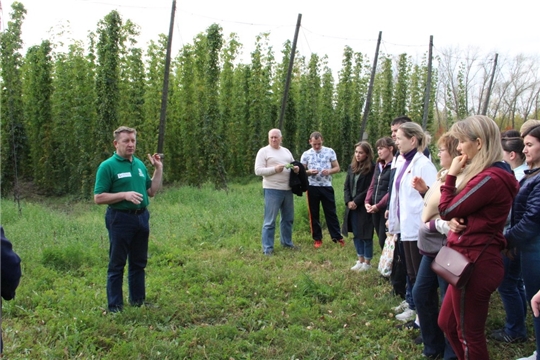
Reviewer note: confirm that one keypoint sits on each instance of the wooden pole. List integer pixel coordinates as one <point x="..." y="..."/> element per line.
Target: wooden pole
<point x="486" y="102"/>
<point x="165" y="91"/>
<point x="289" y="72"/>
<point x="427" y="91"/>
<point x="370" y="88"/>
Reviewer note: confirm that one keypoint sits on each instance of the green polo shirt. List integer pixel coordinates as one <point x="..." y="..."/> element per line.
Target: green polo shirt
<point x="117" y="174"/>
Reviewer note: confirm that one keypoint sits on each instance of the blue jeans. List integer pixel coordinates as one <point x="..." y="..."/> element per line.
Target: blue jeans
<point x="426" y="300"/>
<point x="364" y="247"/>
<point x="513" y="297"/>
<point x="530" y="269"/>
<point x="128" y="239"/>
<point x="277" y="201"/>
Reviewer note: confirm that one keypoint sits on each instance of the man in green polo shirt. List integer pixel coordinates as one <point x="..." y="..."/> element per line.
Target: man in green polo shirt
<point x="123" y="183"/>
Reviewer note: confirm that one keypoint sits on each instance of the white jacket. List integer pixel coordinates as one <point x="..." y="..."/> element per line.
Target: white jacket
<point x="411" y="202"/>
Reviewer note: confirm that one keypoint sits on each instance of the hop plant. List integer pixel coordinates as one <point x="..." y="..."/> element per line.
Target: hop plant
<point x="289" y="166"/>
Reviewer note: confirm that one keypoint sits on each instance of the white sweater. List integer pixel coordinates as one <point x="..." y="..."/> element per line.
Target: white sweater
<point x="265" y="162"/>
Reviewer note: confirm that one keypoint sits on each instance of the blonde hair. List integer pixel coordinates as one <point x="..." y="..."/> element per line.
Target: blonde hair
<point x="479" y="127"/>
<point x="121" y="129"/>
<point x="411" y="129"/>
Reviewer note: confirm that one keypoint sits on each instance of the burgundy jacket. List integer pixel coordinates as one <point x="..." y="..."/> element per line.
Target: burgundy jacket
<point x="484" y="204"/>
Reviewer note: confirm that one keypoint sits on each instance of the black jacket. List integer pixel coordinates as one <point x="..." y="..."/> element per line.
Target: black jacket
<point x="11" y="268"/>
<point x="298" y="182"/>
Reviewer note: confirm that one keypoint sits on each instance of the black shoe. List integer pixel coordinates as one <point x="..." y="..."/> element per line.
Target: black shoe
<point x="418" y="340"/>
<point x="409" y="325"/>
<point x="502" y="336"/>
<point x="292" y="247"/>
<point x="115" y="309"/>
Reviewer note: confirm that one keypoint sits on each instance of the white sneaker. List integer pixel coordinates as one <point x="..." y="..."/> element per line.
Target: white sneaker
<point x="359" y="266"/>
<point x="365" y="267"/>
<point x="404" y="305"/>
<point x="406" y="315"/>
<point x="532" y="357"/>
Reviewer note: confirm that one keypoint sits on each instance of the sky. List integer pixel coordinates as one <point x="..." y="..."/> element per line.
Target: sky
<point x="326" y="26"/>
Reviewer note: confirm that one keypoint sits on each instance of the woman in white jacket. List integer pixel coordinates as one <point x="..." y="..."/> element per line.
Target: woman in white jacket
<point x="406" y="204"/>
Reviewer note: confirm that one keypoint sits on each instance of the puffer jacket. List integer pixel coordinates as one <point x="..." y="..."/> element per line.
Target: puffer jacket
<point x="525" y="218"/>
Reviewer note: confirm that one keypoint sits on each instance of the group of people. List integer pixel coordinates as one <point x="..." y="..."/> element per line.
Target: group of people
<point x="275" y="164"/>
<point x="484" y="202"/>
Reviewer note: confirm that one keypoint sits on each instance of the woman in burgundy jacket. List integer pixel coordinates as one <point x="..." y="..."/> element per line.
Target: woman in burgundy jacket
<point x="481" y="202"/>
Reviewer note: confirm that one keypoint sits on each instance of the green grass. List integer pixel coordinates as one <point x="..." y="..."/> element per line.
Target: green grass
<point x="217" y="296"/>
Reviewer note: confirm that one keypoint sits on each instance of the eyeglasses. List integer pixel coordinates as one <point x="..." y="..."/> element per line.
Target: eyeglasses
<point x="441" y="150"/>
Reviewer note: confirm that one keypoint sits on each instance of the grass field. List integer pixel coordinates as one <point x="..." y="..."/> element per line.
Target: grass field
<point x="216" y="295"/>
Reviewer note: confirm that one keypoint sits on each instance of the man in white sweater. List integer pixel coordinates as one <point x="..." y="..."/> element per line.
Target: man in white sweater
<point x="273" y="163"/>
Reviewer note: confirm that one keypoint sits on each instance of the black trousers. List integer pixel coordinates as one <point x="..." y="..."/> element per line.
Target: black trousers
<point x="323" y="195"/>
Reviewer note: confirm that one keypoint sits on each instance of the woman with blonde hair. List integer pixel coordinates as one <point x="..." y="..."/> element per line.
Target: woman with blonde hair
<point x="481" y="201"/>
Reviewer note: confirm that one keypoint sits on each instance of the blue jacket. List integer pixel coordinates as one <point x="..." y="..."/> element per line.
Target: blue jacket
<point x="524" y="232"/>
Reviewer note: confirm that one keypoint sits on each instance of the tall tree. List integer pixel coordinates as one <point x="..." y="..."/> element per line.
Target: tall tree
<point x="107" y="82"/>
<point x="328" y="120"/>
<point x="38" y="89"/>
<point x="213" y="129"/>
<point x="402" y="87"/>
<point x="74" y="112"/>
<point x="132" y="79"/>
<point x="343" y="108"/>
<point x="294" y="107"/>
<point x="14" y="149"/>
<point x="388" y="113"/>
<point x="148" y="139"/>
<point x="260" y="115"/>
<point x="228" y="101"/>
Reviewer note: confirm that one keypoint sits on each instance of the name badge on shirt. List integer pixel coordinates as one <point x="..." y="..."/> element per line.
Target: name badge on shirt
<point x="124" y="175"/>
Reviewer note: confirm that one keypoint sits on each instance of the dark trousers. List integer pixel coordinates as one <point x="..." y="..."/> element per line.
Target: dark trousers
<point x="398" y="277"/>
<point x="128" y="239"/>
<point x="380" y="226"/>
<point x="426" y="300"/>
<point x="324" y="195"/>
<point x="513" y="297"/>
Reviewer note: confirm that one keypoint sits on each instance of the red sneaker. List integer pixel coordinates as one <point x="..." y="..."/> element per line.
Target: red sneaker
<point x="341" y="242"/>
<point x="318" y="244"/>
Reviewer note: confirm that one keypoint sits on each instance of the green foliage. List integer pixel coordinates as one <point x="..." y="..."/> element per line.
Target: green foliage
<point x="402" y="86"/>
<point x="74" y="112"/>
<point x="13" y="134"/>
<point x="38" y="90"/>
<point x="219" y="110"/>
<point x="327" y="114"/>
<point x="147" y="133"/>
<point x="213" y="127"/>
<point x="107" y="82"/>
